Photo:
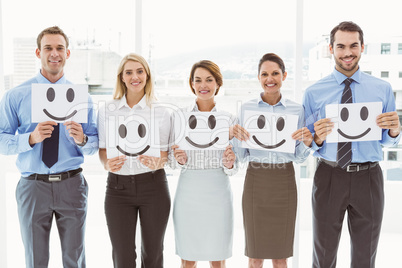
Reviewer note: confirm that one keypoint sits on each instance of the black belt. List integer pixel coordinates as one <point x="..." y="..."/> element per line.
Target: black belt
<point x="353" y="167"/>
<point x="54" y="177"/>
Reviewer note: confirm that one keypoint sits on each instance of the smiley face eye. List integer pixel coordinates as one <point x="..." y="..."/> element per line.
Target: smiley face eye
<point x="211" y="122"/>
<point x="364" y="113"/>
<point x="70" y="95"/>
<point x="50" y="94"/>
<point x="261" y="122"/>
<point x="344" y="114"/>
<point x="142" y="130"/>
<point x="122" y="131"/>
<point x="192" y="121"/>
<point x="280" y="123"/>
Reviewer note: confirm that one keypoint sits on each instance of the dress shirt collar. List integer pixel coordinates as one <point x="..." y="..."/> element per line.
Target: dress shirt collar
<point x="43" y="80"/>
<point x="340" y="77"/>
<point x="194" y="107"/>
<point x="282" y="101"/>
<point x="142" y="104"/>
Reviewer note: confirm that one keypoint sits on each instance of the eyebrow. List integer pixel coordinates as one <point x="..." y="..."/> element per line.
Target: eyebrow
<point x="200" y="77"/>
<point x="340" y="44"/>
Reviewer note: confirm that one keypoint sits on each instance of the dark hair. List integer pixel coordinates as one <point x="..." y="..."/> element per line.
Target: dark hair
<point x="212" y="68"/>
<point x="346" y="26"/>
<point x="274" y="58"/>
<point x="51" y="30"/>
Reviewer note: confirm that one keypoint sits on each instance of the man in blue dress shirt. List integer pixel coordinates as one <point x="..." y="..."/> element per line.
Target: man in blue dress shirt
<point x="348" y="176"/>
<point x="48" y="189"/>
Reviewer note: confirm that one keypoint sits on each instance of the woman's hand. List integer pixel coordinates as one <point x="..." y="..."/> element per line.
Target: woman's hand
<point x="115" y="164"/>
<point x="303" y="135"/>
<point x="239" y="132"/>
<point x="229" y="157"/>
<point x="153" y="162"/>
<point x="179" y="155"/>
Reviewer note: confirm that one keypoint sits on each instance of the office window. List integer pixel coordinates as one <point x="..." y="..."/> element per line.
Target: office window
<point x="384" y="74"/>
<point x="367" y="72"/>
<point x="400" y="74"/>
<point x="400" y="48"/>
<point x="385" y="48"/>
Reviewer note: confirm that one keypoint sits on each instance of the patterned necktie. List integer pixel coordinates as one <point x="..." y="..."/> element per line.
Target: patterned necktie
<point x="344" y="153"/>
<point x="50" y="149"/>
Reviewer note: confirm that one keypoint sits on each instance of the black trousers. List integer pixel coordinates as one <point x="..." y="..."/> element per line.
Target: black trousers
<point x="127" y="197"/>
<point x="361" y="194"/>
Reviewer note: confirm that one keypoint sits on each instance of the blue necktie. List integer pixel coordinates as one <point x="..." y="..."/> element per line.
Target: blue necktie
<point x="50" y="149"/>
<point x="344" y="153"/>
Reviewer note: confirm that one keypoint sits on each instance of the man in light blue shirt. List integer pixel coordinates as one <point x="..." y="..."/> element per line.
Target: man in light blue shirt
<point x="45" y="190"/>
<point x="348" y="176"/>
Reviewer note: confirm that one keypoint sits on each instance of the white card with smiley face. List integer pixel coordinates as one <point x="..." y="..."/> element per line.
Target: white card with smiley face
<point x="59" y="103"/>
<point x="132" y="135"/>
<point x="201" y="130"/>
<point x="270" y="131"/>
<point x="354" y="121"/>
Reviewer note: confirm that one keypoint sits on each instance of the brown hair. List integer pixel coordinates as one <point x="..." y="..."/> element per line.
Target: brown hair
<point x="274" y="58"/>
<point x="346" y="26"/>
<point x="212" y="68"/>
<point x="121" y="89"/>
<point x="51" y="30"/>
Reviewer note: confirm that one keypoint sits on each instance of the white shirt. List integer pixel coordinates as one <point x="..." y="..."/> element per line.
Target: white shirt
<point x="159" y="113"/>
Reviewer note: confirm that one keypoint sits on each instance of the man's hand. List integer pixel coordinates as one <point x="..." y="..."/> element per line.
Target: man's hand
<point x="322" y="129"/>
<point x="42" y="131"/>
<point x="75" y="130"/>
<point x="389" y="121"/>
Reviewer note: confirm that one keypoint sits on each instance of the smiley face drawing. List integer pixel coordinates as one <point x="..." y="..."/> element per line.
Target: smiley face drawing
<point x="280" y="124"/>
<point x="354" y="121"/>
<point x="142" y="130"/>
<point x="59" y="102"/>
<point x="51" y="95"/>
<point x="344" y="115"/>
<point x="202" y="130"/>
<point x="192" y="122"/>
<point x="269" y="131"/>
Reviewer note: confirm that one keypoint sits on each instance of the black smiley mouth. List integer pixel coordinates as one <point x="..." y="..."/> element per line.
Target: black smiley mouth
<point x="59" y="118"/>
<point x="130" y="154"/>
<point x="268" y="146"/>
<point x="354" y="137"/>
<point x="202" y="146"/>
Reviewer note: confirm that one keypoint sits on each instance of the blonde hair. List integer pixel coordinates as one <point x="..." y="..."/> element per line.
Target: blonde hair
<point x="121" y="89"/>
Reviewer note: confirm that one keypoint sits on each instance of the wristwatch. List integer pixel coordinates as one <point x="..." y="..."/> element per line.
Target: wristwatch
<point x="84" y="142"/>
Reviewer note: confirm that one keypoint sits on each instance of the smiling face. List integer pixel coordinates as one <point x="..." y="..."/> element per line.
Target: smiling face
<point x="347" y="51"/>
<point x="271" y="78"/>
<point x="344" y="116"/>
<point x="53" y="55"/>
<point x="280" y="125"/>
<point x="59" y="102"/>
<point x="201" y="130"/>
<point x="141" y="133"/>
<point x="134" y="77"/>
<point x="51" y="95"/>
<point x="269" y="131"/>
<point x="204" y="85"/>
<point x="192" y="123"/>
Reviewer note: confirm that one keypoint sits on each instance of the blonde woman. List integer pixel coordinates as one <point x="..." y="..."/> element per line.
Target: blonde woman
<point x="142" y="193"/>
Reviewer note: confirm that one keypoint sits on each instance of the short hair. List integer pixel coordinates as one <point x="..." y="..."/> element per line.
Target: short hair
<point x="346" y="26"/>
<point x="51" y="30"/>
<point x="121" y="89"/>
<point x="212" y="68"/>
<point x="274" y="58"/>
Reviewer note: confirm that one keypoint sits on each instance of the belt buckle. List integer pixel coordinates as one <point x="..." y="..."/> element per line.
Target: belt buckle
<point x="54" y="178"/>
<point x="352" y="168"/>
